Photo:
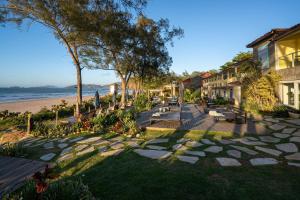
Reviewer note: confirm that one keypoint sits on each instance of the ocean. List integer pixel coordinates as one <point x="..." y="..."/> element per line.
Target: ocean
<point x="15" y="94"/>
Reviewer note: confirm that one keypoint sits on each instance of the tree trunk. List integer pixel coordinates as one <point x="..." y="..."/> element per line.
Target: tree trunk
<point x="79" y="90"/>
<point x="123" y="92"/>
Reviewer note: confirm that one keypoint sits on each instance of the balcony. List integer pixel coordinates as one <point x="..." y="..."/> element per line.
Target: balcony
<point x="289" y="66"/>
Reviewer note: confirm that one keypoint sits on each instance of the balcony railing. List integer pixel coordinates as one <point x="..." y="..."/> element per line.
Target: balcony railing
<point x="289" y="60"/>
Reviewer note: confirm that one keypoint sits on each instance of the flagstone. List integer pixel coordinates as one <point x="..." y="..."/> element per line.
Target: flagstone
<point x="263" y="161"/>
<point x="117" y="139"/>
<point x="234" y="153"/>
<point x="132" y="144"/>
<point x="62" y="145"/>
<point x="294" y="164"/>
<point x="183" y="140"/>
<point x="271" y="120"/>
<point x="154" y="154"/>
<point x="49" y="145"/>
<point x="156" y="147"/>
<point x="207" y="141"/>
<point x="66" y="150"/>
<point x="297" y="134"/>
<point x="195" y="153"/>
<point x="65" y="157"/>
<point x="277" y="127"/>
<point x="157" y="141"/>
<point x="87" y="150"/>
<point x="188" y="159"/>
<point x="295" y="139"/>
<point x="245" y="149"/>
<point x="63" y="140"/>
<point x="177" y="146"/>
<point x="214" y="149"/>
<point x="102" y="149"/>
<point x="269" y="139"/>
<point x="228" y="162"/>
<point x="281" y="135"/>
<point x="288" y="130"/>
<point x="76" y="139"/>
<point x="251" y="143"/>
<point x="224" y="141"/>
<point x="251" y="138"/>
<point x="101" y="143"/>
<point x="112" y="152"/>
<point x="117" y="145"/>
<point x="287" y="147"/>
<point x="295" y="156"/>
<point x="294" y="121"/>
<point x="269" y="151"/>
<point x="81" y="147"/>
<point x="89" y="140"/>
<point x="193" y="144"/>
<point x="48" y="156"/>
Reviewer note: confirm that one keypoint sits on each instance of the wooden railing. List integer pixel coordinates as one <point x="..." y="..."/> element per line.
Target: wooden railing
<point x="290" y="60"/>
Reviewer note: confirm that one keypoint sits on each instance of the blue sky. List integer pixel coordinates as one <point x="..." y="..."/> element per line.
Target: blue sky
<point x="215" y="30"/>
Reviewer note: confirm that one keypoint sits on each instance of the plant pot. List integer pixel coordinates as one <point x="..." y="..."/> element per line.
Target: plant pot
<point x="294" y="115"/>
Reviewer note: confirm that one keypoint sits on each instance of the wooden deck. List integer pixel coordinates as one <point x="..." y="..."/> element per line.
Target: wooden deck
<point x="14" y="171"/>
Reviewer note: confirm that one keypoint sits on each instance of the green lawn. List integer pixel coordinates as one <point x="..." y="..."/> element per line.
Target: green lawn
<point x="130" y="176"/>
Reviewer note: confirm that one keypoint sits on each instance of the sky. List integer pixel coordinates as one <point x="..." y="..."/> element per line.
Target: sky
<point x="214" y="31"/>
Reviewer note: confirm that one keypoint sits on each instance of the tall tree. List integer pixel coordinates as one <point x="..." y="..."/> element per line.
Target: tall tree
<point x="69" y="20"/>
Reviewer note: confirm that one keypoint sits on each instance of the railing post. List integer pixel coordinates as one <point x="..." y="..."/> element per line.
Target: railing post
<point x="293" y="59"/>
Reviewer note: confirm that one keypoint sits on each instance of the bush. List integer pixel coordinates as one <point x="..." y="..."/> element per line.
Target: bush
<point x="280" y="111"/>
<point x="141" y="103"/>
<point x="60" y="190"/>
<point x="220" y="101"/>
<point x="42" y="129"/>
<point x="12" y="149"/>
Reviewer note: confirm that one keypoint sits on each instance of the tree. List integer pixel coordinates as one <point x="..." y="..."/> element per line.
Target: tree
<point x="136" y="49"/>
<point x="242" y="56"/>
<point x="69" y="20"/>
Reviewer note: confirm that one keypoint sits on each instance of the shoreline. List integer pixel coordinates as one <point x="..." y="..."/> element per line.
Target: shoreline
<point x="36" y="105"/>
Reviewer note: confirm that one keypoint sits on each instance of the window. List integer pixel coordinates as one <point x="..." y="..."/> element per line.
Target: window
<point x="263" y="56"/>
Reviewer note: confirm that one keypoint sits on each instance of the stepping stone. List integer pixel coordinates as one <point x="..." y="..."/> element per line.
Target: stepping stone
<point x="88" y="150"/>
<point x="66" y="150"/>
<point x="251" y="138"/>
<point x="183" y="140"/>
<point x="157" y="141"/>
<point x="81" y="147"/>
<point x="49" y="145"/>
<point x="295" y="139"/>
<point x="132" y="144"/>
<point x="62" y="145"/>
<point x="188" y="159"/>
<point x="207" y="141"/>
<point x="89" y="140"/>
<point x="287" y="147"/>
<point x="65" y="157"/>
<point x="76" y="139"/>
<point x="117" y="139"/>
<point x="251" y="143"/>
<point x="156" y="147"/>
<point x="224" y="141"/>
<point x="294" y="121"/>
<point x="214" y="149"/>
<point x="196" y="153"/>
<point x="48" y="156"/>
<point x="154" y="154"/>
<point x="281" y="135"/>
<point x="112" y="152"/>
<point x="294" y="164"/>
<point x="297" y="134"/>
<point x="269" y="139"/>
<point x="269" y="151"/>
<point x="176" y="147"/>
<point x="245" y="149"/>
<point x="101" y="143"/>
<point x="117" y="145"/>
<point x="271" y="120"/>
<point x="295" y="156"/>
<point x="263" y="161"/>
<point x="193" y="144"/>
<point x="288" y="130"/>
<point x="228" y="162"/>
<point x="63" y="140"/>
<point x="234" y="153"/>
<point x="102" y="149"/>
<point x="277" y="127"/>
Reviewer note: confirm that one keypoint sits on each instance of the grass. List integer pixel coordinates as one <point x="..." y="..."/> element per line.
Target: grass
<point x="130" y="176"/>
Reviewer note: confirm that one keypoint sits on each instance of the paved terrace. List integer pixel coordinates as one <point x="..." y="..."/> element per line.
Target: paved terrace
<point x="194" y="118"/>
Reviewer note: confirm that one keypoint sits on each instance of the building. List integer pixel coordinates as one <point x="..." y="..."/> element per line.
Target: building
<point x="279" y="50"/>
<point x="224" y="84"/>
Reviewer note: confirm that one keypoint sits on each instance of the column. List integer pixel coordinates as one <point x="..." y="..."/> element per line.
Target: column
<point x="296" y="88"/>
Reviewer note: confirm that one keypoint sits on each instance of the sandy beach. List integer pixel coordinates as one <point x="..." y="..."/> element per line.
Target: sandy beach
<point x="36" y="105"/>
